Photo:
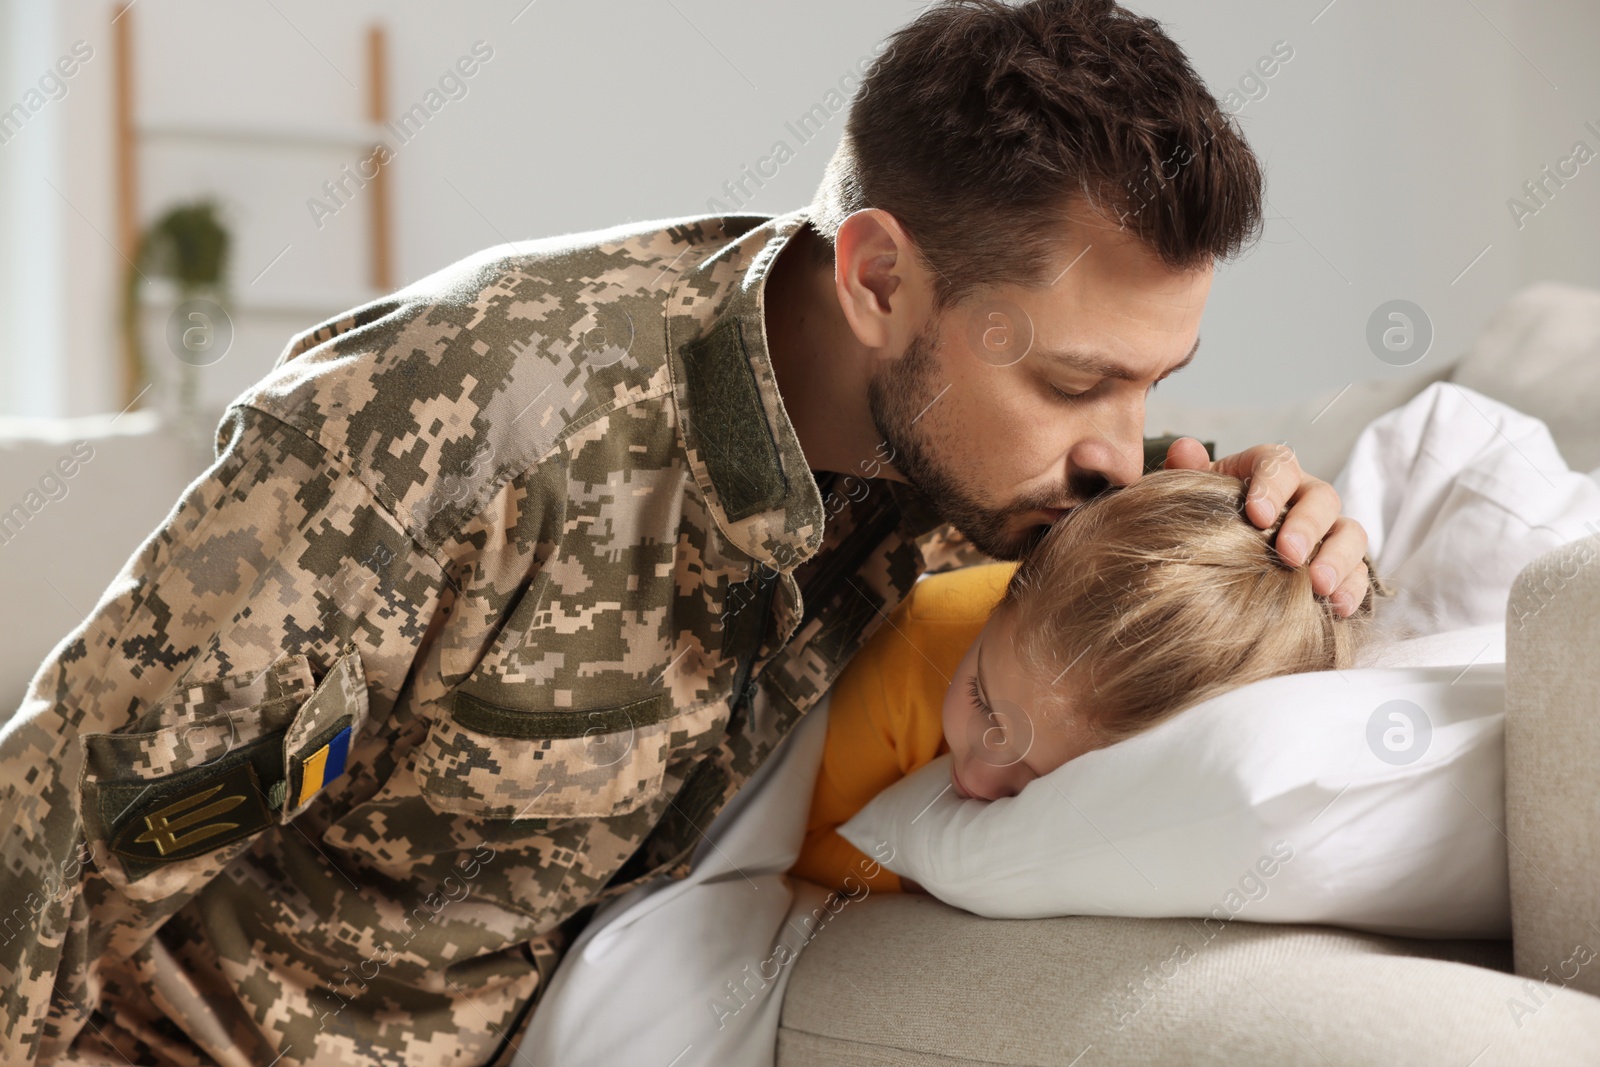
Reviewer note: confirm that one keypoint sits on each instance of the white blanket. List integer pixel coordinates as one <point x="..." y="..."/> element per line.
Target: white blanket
<point x="693" y="972"/>
<point x="1458" y="493"/>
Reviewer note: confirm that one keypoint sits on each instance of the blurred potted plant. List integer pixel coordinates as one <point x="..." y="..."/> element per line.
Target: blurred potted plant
<point x="187" y="246"/>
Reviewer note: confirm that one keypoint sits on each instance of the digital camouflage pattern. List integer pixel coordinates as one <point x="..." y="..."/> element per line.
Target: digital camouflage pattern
<point x="535" y="535"/>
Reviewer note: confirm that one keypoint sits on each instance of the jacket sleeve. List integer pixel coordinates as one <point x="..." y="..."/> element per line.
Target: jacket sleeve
<point x="217" y="687"/>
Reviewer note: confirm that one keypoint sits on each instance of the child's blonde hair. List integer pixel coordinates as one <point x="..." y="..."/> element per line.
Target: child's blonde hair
<point x="1153" y="597"/>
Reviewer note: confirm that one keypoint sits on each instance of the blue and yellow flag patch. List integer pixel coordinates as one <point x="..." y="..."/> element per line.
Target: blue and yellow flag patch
<point x="323" y="766"/>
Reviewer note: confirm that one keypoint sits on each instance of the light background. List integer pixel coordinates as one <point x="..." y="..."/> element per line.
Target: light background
<point x="1392" y="141"/>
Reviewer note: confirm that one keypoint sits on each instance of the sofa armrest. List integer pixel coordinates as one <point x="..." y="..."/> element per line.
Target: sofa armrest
<point x="1553" y="764"/>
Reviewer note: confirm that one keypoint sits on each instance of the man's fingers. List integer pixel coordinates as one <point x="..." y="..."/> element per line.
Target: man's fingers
<point x="1339" y="556"/>
<point x="1313" y="514"/>
<point x="1272" y="475"/>
<point x="1338" y="569"/>
<point x="1275" y="481"/>
<point x="1186" y="453"/>
<point x="1352" y="591"/>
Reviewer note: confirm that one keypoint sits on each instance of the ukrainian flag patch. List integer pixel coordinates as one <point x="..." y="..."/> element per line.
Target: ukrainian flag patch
<point x="323" y="766"/>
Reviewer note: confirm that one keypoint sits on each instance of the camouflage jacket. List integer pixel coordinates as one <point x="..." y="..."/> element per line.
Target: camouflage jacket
<point x="499" y="588"/>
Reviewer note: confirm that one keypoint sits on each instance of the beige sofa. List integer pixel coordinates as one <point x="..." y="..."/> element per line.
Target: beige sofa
<point x="907" y="980"/>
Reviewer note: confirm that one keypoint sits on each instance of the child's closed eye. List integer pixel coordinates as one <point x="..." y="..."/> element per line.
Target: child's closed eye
<point x="977" y="697"/>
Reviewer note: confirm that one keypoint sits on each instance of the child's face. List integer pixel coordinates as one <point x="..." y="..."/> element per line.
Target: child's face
<point x="1004" y="737"/>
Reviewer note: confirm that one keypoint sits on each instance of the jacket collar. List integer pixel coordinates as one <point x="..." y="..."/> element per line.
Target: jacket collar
<point x="743" y="451"/>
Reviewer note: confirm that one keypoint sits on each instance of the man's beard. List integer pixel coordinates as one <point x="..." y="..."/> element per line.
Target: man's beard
<point x="898" y="397"/>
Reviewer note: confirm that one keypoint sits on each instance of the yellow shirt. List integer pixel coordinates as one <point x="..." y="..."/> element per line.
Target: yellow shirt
<point x="885" y="715"/>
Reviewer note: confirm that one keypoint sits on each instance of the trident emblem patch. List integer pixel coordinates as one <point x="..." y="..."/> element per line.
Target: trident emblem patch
<point x="226" y="806"/>
<point x="164" y="823"/>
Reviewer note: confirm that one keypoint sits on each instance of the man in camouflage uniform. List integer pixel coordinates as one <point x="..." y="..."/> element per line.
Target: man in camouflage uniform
<point x="498" y="590"/>
<point x="529" y="530"/>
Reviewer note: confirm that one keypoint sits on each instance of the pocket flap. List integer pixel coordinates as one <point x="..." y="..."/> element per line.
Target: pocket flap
<point x="318" y="741"/>
<point x="172" y="799"/>
<point x="504" y="763"/>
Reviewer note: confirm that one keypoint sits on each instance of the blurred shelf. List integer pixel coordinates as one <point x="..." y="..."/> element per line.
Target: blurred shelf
<point x="319" y="303"/>
<point x="258" y="135"/>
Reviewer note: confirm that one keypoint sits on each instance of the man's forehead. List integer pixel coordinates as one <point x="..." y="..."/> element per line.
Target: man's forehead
<point x="1092" y="359"/>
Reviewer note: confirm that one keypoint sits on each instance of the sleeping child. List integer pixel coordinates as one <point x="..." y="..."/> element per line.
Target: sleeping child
<point x="1142" y="602"/>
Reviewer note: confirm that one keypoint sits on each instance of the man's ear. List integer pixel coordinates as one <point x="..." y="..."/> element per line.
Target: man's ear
<point x="880" y="281"/>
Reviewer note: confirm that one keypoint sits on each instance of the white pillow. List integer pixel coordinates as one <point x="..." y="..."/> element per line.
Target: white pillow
<point x="1283" y="801"/>
<point x="1295" y="799"/>
<point x="1540" y="353"/>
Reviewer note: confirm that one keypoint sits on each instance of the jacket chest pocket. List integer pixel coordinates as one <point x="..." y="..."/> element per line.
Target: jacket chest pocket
<point x="605" y="673"/>
<point x="214" y="765"/>
<point x="497" y="762"/>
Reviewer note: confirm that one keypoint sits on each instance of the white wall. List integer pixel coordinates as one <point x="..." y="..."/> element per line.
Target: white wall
<point x="1392" y="140"/>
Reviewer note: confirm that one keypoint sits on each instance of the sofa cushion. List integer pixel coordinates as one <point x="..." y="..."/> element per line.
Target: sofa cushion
<point x="1540" y="353"/>
<point x="908" y="980"/>
<point x="77" y="498"/>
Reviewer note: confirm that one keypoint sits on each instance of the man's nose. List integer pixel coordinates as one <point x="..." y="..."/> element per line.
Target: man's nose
<point x="1106" y="461"/>
<point x="1120" y="460"/>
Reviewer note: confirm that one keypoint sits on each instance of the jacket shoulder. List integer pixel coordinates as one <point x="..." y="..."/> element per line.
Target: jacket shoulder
<point x="436" y="394"/>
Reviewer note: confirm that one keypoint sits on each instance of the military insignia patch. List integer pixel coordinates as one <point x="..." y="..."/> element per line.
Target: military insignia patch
<point x="323" y="766"/>
<point x="201" y="818"/>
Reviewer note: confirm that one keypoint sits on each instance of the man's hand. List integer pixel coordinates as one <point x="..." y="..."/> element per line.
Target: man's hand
<point x="1274" y="478"/>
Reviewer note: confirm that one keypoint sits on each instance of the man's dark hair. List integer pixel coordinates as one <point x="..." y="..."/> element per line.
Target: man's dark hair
<point x="983" y="123"/>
